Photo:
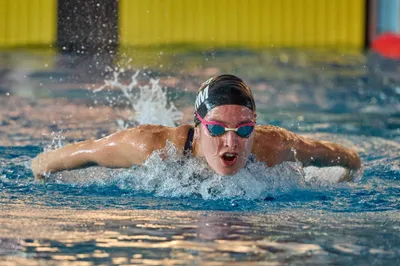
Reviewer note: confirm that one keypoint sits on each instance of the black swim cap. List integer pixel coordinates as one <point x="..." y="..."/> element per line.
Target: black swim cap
<point x="222" y="90"/>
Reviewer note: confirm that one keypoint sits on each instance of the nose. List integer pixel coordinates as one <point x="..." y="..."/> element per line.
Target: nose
<point x="231" y="139"/>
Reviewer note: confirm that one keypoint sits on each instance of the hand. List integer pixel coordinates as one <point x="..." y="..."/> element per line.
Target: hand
<point x="37" y="167"/>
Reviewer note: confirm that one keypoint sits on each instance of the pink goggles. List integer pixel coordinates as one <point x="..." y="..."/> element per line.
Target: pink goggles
<point x="218" y="129"/>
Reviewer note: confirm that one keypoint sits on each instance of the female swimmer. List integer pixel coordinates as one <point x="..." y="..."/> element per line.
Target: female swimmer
<point x="225" y="135"/>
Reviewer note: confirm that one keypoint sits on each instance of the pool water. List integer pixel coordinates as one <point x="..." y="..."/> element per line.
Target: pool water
<point x="159" y="214"/>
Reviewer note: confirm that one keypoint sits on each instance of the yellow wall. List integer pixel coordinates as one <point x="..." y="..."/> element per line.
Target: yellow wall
<point x="28" y="22"/>
<point x="256" y="23"/>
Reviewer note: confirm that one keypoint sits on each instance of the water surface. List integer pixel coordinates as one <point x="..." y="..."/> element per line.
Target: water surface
<point x="158" y="215"/>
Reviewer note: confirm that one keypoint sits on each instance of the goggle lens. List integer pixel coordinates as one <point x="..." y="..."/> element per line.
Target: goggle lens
<point x="245" y="131"/>
<point x="217" y="130"/>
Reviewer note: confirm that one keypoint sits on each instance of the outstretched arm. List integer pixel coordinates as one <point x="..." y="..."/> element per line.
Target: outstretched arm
<point x="275" y="145"/>
<point x="122" y="149"/>
<point x="324" y="153"/>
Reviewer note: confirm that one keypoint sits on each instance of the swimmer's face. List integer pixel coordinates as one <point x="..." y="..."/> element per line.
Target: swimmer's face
<point x="228" y="153"/>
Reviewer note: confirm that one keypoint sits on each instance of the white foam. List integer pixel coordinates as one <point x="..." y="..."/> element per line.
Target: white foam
<point x="149" y="103"/>
<point x="179" y="176"/>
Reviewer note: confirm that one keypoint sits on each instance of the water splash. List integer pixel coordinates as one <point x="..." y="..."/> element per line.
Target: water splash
<point x="326" y="176"/>
<point x="56" y="141"/>
<point x="167" y="173"/>
<point x="149" y="103"/>
<point x="180" y="176"/>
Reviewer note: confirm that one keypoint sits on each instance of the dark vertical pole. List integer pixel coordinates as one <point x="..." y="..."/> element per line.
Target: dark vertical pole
<point x="88" y="26"/>
<point x="371" y="22"/>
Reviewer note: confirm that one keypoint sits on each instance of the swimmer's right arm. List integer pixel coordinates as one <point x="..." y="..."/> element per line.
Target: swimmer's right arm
<point x="119" y="150"/>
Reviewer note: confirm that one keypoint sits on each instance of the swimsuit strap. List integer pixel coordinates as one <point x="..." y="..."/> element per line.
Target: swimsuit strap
<point x="189" y="142"/>
<point x="252" y="158"/>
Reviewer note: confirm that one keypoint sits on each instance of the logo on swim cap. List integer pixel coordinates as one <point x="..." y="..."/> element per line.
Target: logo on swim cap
<point x="201" y="97"/>
<point x="208" y="81"/>
<point x="203" y="93"/>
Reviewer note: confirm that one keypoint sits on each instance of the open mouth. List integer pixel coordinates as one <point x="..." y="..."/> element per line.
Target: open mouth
<point x="228" y="158"/>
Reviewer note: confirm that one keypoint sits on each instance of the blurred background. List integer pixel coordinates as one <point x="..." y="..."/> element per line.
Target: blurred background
<point x="73" y="25"/>
<point x="301" y="57"/>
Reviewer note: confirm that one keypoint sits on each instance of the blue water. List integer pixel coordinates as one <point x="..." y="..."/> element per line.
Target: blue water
<point x="151" y="216"/>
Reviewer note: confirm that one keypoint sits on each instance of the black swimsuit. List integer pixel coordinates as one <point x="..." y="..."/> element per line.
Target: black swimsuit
<point x="189" y="142"/>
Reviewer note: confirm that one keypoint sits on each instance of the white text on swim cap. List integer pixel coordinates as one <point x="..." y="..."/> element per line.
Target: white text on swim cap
<point x="208" y="81"/>
<point x="201" y="97"/>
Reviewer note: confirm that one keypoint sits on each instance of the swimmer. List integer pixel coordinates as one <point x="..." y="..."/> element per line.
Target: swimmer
<point x="225" y="134"/>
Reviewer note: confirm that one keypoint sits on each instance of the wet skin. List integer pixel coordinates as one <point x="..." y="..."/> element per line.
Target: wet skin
<point x="214" y="148"/>
<point x="270" y="144"/>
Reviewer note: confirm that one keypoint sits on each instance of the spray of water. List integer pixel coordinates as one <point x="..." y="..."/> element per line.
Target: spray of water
<point x="181" y="176"/>
<point x="177" y="175"/>
<point x="149" y="103"/>
<point x="56" y="142"/>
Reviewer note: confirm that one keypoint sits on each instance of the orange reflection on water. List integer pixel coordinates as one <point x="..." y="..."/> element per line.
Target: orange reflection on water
<point x="42" y="235"/>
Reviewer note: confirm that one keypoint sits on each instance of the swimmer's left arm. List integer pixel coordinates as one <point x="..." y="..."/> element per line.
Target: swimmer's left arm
<point x="324" y="153"/>
<point x="276" y="145"/>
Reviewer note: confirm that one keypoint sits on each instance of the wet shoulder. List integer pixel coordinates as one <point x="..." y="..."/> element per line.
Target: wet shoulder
<point x="272" y="133"/>
<point x="269" y="142"/>
<point x="158" y="135"/>
<point x="268" y="136"/>
<point x="179" y="135"/>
